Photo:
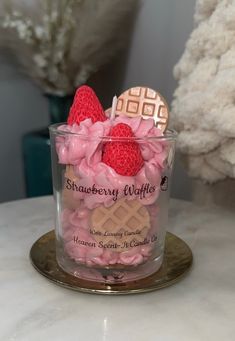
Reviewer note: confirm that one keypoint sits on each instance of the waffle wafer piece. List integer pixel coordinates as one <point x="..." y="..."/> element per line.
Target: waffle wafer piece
<point x="68" y="199"/>
<point x="117" y="226"/>
<point x="145" y="102"/>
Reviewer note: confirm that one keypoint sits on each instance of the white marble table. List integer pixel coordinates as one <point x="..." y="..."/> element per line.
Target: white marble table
<point x="201" y="307"/>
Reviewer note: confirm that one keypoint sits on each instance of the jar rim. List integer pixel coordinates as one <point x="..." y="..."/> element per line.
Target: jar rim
<point x="169" y="134"/>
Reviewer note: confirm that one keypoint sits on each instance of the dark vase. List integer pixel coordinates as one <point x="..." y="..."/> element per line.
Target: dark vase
<point x="36" y="149"/>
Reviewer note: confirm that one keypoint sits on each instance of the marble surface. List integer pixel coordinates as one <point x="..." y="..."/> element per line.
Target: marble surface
<point x="200" y="307"/>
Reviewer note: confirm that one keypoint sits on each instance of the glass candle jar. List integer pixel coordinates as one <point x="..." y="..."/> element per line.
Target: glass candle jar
<point x="110" y="227"/>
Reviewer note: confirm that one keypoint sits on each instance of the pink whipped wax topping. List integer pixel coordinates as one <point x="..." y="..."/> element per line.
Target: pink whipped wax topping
<point x="83" y="148"/>
<point x="85" y="153"/>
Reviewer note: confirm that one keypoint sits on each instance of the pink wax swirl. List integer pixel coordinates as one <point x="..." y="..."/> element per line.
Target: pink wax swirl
<point x="83" y="149"/>
<point x="82" y="247"/>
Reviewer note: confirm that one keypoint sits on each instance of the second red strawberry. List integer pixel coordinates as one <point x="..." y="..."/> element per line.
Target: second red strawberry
<point x="123" y="155"/>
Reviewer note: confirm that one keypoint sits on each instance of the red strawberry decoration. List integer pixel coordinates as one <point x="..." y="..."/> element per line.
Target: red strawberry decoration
<point x="85" y="105"/>
<point x="123" y="156"/>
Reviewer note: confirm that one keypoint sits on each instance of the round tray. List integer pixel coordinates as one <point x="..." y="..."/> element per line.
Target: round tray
<point x="177" y="261"/>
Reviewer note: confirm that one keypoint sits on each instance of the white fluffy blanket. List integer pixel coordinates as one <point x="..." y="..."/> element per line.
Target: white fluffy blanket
<point x="203" y="109"/>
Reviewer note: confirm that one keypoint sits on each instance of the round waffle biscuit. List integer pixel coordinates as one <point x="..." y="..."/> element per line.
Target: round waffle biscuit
<point x="121" y="225"/>
<point x="145" y="102"/>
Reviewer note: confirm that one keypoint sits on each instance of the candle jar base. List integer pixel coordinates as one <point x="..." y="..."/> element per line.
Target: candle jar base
<point x="118" y="273"/>
<point x="176" y="263"/>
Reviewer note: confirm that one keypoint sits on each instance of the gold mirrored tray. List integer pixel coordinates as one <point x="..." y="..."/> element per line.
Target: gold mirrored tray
<point x="177" y="261"/>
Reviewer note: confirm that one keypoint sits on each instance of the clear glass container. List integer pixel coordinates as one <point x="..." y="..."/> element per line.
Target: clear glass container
<point x="109" y="227"/>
